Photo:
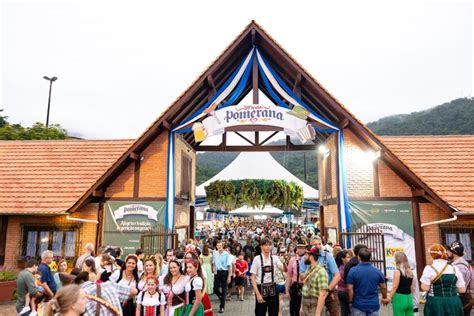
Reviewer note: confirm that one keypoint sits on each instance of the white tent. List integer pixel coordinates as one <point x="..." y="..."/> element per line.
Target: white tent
<point x="267" y="210"/>
<point x="257" y="165"/>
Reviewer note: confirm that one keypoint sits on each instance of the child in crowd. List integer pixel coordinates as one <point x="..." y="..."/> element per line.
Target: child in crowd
<point x="30" y="301"/>
<point x="106" y="267"/>
<point x="150" y="301"/>
<point x="241" y="269"/>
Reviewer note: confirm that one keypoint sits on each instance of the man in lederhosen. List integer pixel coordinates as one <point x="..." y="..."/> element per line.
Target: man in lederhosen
<point x="294" y="280"/>
<point x="263" y="280"/>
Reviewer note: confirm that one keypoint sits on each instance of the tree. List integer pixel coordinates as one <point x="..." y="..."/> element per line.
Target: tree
<point x="37" y="131"/>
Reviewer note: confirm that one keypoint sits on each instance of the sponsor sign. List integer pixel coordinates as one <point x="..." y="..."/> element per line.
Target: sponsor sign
<point x="394" y="219"/>
<point x="125" y="221"/>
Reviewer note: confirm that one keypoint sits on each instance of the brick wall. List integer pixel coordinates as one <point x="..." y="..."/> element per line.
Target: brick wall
<point x="358" y="166"/>
<point x="429" y="213"/>
<point x="153" y="168"/>
<point x="87" y="231"/>
<point x="390" y="183"/>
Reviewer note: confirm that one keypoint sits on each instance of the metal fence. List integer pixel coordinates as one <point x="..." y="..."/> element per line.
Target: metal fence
<point x="158" y="240"/>
<point x="372" y="237"/>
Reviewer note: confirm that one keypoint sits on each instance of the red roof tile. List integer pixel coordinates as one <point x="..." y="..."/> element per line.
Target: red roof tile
<point x="48" y="177"/>
<point x="444" y="163"/>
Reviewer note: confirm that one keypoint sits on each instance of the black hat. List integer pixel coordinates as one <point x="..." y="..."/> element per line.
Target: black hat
<point x="301" y="243"/>
<point x="456" y="248"/>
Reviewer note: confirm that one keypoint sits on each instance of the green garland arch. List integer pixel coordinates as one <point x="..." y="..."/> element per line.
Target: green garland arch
<point x="232" y="194"/>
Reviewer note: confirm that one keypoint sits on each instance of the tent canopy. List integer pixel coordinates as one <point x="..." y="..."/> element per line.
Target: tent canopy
<point x="248" y="211"/>
<point x="257" y="165"/>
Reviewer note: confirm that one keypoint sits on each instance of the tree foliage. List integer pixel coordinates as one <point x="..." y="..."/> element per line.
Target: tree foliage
<point x="231" y="194"/>
<point x="452" y="118"/>
<point x="10" y="131"/>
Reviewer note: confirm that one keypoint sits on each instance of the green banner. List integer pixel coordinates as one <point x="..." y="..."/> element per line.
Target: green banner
<point x="397" y="213"/>
<point x="394" y="219"/>
<point x="126" y="221"/>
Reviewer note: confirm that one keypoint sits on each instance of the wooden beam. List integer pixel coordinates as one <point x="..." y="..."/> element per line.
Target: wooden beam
<point x="418" y="193"/>
<point x="257" y="148"/>
<point x="268" y="138"/>
<point x="253" y="128"/>
<point x="297" y="84"/>
<point x="245" y="138"/>
<point x="419" y="238"/>
<point x="344" y="123"/>
<point x="255" y="80"/>
<point x="98" y="193"/>
<point x="256" y="138"/>
<point x="166" y="125"/>
<point x="135" y="156"/>
<point x="376" y="178"/>
<point x="211" y="87"/>
<point x="136" y="179"/>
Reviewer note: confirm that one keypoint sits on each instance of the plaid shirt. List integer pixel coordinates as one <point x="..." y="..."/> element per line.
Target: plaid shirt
<point x="318" y="280"/>
<point x="112" y="292"/>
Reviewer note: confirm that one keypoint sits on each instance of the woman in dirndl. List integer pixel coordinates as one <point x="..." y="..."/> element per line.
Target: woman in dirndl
<point x="194" y="288"/>
<point x="443" y="282"/>
<point x="172" y="285"/>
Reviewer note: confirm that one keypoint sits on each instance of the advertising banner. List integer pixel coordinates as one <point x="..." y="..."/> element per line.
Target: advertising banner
<point x="293" y="122"/>
<point x="394" y="219"/>
<point x="125" y="221"/>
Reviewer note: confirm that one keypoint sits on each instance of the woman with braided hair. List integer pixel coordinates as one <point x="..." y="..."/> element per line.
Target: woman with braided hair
<point x="69" y="300"/>
<point x="443" y="283"/>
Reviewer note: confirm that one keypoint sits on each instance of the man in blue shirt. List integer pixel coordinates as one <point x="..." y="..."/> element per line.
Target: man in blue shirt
<point x="363" y="282"/>
<point x="220" y="268"/>
<point x="47" y="279"/>
<point x="326" y="260"/>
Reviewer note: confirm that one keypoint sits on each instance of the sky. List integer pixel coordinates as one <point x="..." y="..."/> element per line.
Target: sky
<point x="121" y="63"/>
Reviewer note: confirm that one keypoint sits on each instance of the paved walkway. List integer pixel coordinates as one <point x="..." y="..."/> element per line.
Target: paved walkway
<point x="233" y="307"/>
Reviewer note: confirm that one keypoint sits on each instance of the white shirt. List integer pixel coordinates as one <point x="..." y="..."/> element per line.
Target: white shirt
<point x="144" y="299"/>
<point x="115" y="276"/>
<point x="197" y="284"/>
<point x="257" y="268"/>
<point x="140" y="266"/>
<point x="429" y="273"/>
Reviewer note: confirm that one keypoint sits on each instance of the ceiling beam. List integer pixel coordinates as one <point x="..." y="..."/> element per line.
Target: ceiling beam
<point x="259" y="148"/>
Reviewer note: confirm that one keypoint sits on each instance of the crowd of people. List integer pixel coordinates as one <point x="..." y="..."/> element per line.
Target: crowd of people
<point x="267" y="258"/>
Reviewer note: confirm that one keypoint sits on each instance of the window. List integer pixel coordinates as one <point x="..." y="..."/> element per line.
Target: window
<point x="186" y="174"/>
<point x="62" y="240"/>
<point x="464" y="234"/>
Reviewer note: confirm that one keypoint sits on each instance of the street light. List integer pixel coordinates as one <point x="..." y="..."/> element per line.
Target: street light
<point x="51" y="80"/>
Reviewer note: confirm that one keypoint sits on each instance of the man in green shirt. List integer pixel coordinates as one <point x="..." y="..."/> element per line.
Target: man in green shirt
<point x="315" y="285"/>
<point x="25" y="283"/>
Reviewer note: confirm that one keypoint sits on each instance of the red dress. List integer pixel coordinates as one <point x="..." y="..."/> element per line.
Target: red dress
<point x="206" y="303"/>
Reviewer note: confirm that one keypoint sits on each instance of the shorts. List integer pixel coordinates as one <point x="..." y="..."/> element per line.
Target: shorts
<point x="280" y="288"/>
<point x="239" y="281"/>
<point x="231" y="283"/>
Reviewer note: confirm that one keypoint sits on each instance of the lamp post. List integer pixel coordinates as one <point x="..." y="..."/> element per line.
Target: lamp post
<point x="51" y="80"/>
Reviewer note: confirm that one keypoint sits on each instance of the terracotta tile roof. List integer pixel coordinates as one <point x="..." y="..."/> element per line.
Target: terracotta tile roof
<point x="48" y="177"/>
<point x="444" y="163"/>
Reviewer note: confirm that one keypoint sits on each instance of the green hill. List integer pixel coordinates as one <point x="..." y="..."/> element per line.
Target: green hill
<point x="452" y="118"/>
